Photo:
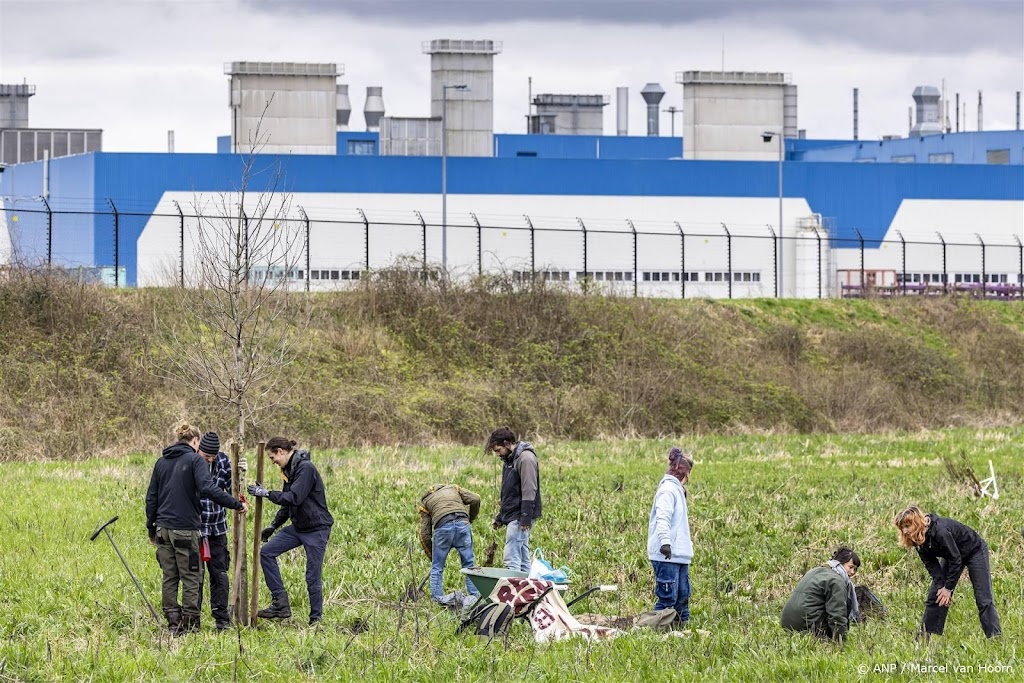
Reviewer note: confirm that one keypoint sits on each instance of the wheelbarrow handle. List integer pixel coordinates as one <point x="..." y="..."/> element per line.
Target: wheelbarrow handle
<point x="587" y="592"/>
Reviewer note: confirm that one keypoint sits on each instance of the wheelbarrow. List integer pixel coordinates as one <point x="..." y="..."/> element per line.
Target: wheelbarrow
<point x="484" y="579"/>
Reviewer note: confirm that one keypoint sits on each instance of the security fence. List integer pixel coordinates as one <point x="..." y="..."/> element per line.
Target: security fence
<point x="338" y="248"/>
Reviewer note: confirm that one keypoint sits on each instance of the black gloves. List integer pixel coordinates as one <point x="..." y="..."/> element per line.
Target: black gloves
<point x="666" y="550"/>
<point x="267" y="533"/>
<point x="525" y="522"/>
<point x="496" y="524"/>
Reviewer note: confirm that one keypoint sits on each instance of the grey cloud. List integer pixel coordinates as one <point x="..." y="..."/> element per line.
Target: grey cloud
<point x="923" y="26"/>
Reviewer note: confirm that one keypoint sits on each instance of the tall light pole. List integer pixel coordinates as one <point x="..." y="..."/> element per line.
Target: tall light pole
<point x="767" y="137"/>
<point x="444" y="172"/>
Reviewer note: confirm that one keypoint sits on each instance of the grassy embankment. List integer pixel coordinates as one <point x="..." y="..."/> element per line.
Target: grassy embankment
<point x="763" y="510"/>
<point x="398" y="361"/>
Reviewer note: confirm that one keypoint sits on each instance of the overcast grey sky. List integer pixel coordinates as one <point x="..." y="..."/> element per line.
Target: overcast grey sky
<point x="137" y="68"/>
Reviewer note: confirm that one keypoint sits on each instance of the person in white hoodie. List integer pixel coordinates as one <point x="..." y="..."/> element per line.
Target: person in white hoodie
<point x="668" y="537"/>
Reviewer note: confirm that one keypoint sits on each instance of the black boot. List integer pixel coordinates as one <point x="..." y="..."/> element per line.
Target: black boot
<point x="189" y="624"/>
<point x="173" y="620"/>
<point x="279" y="608"/>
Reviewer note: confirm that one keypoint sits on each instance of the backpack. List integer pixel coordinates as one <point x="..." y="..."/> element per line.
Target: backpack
<point x="661" y="620"/>
<point x="870" y="605"/>
<point x="490" y="619"/>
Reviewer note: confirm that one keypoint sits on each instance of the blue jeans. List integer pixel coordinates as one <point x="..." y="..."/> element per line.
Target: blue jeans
<point x="517" y="548"/>
<point x="456" y="534"/>
<point x="672" y="587"/>
<point x="315" y="543"/>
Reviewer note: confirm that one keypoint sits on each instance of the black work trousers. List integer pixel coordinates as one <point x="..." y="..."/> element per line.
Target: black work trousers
<point x="981" y="578"/>
<point x="217" y="570"/>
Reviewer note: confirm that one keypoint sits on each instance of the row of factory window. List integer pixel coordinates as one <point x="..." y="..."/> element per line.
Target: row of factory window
<point x="645" y="276"/>
<point x="296" y="274"/>
<point x="963" y="278"/>
<point x="992" y="156"/>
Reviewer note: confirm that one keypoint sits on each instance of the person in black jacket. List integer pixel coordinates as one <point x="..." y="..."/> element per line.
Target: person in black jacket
<point x="520" y="495"/>
<point x="180" y="478"/>
<point x="946" y="546"/>
<point x="303" y="501"/>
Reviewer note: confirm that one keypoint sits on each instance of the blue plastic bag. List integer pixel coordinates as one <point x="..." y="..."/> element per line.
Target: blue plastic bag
<point x="542" y="569"/>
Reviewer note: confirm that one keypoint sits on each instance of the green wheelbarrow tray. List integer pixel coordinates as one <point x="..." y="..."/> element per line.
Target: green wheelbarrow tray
<point x="486" y="578"/>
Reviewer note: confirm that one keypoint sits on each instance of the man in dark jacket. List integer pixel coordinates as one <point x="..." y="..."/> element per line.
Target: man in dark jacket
<point x="180" y="477"/>
<point x="214" y="529"/>
<point x="303" y="500"/>
<point x="520" y="495"/>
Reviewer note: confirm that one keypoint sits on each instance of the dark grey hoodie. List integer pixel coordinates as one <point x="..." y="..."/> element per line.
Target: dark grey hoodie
<point x="180" y="478"/>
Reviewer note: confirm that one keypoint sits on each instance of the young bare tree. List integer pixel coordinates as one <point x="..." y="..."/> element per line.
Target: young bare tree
<point x="235" y="326"/>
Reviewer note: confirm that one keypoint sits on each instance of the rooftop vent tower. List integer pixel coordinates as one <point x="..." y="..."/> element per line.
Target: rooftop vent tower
<point x="343" y="107"/>
<point x="14" y="105"/>
<point x="652" y="94"/>
<point x="926" y="100"/>
<point x="373" y="110"/>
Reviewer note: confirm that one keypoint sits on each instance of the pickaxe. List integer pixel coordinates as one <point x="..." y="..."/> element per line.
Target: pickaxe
<point x="105" y="530"/>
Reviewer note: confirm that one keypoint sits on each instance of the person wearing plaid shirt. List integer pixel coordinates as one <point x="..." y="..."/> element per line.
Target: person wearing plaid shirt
<point x="214" y="530"/>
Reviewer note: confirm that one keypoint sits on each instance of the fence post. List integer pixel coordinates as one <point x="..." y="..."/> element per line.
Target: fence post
<point x="181" y="244"/>
<point x="903" y="274"/>
<point x="1020" y="266"/>
<point x="636" y="274"/>
<point x="583" y="226"/>
<point x="863" y="285"/>
<point x="423" y="228"/>
<point x="682" y="259"/>
<point x="533" y="265"/>
<point x="945" y="277"/>
<point x="775" y="262"/>
<point x="728" y="255"/>
<point x="984" y="281"/>
<point x="479" y="245"/>
<point x="366" y="237"/>
<point x="117" y="235"/>
<point x="818" y="236"/>
<point x="305" y="222"/>
<point x="49" y="233"/>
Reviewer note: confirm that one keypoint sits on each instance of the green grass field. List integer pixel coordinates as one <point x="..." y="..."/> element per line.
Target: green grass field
<point x="763" y="510"/>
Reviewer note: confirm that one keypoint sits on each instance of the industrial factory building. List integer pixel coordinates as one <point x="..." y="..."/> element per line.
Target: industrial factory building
<point x="742" y="204"/>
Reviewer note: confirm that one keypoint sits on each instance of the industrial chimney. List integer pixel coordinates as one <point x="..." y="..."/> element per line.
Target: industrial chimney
<point x="652" y="94"/>
<point x="373" y="110"/>
<point x="622" y="110"/>
<point x="343" y="107"/>
<point x="856" y="112"/>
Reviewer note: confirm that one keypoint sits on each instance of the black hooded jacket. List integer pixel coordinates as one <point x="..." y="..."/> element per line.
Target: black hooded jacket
<point x="952" y="541"/>
<point x="180" y="478"/>
<point x="303" y="498"/>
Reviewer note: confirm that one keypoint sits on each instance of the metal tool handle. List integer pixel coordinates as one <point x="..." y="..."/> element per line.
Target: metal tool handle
<point x="105" y="525"/>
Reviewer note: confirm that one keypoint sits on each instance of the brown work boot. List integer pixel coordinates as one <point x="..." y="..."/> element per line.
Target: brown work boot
<point x="279" y="608"/>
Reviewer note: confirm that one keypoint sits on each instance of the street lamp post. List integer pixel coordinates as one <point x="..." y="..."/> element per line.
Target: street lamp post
<point x="767" y="137"/>
<point x="444" y="172"/>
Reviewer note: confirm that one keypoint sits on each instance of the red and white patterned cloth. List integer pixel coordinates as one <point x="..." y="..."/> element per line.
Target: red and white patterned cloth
<point x="550" y="619"/>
